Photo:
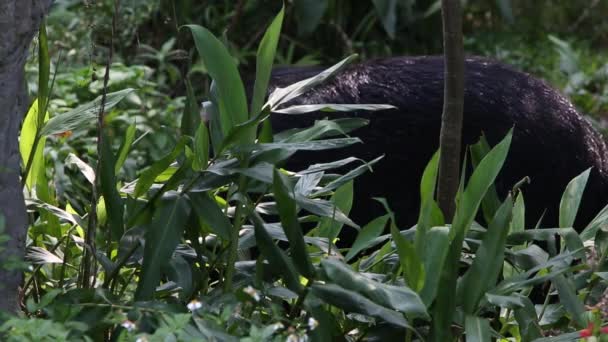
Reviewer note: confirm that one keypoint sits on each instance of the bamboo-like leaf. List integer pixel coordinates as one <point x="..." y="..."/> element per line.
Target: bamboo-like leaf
<point x="283" y="95"/>
<point x="210" y="214"/>
<point x="286" y="206"/>
<point x="84" y="116"/>
<point x="342" y="199"/>
<point x="222" y="69"/>
<point x="400" y="298"/>
<point x="477" y="329"/>
<point x="125" y="147"/>
<point x="29" y="130"/>
<point x="571" y="199"/>
<point x="367" y="235"/>
<point x="39" y="255"/>
<point x="264" y="61"/>
<point x="147" y="177"/>
<point x="86" y="170"/>
<point x="331" y="107"/>
<point x="201" y="148"/>
<point x="162" y="236"/>
<point x="353" y="302"/>
<point x="113" y="201"/>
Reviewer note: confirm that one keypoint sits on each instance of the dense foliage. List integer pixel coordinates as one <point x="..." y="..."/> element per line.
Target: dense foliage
<point x="158" y="225"/>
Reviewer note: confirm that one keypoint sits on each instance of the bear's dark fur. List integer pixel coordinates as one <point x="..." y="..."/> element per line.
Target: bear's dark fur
<point x="552" y="142"/>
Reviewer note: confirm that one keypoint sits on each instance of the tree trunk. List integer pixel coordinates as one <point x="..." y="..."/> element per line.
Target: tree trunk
<point x="19" y="21"/>
<point x="453" y="99"/>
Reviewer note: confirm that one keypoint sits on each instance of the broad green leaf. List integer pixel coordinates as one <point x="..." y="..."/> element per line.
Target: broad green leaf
<point x="201" y="148"/>
<point x="279" y="263"/>
<point x="436" y="251"/>
<point x="411" y="264"/>
<point x="484" y="272"/>
<point x="86" y="170"/>
<point x="527" y="321"/>
<point x="107" y="178"/>
<point x="286" y="206"/>
<point x="222" y="69"/>
<point x="353" y="302"/>
<point x="317" y="145"/>
<point x="569" y="299"/>
<point x="477" y="329"/>
<point x="469" y="201"/>
<point x="322" y="129"/>
<point x="60" y="213"/>
<point x="147" y="177"/>
<point x="348" y="177"/>
<point x="342" y="199"/>
<point x="210" y="214"/>
<point x="284" y="95"/>
<point x="571" y="199"/>
<point x="366" y="236"/>
<point x="191" y="117"/>
<point x="264" y="61"/>
<point x="125" y="146"/>
<point x="162" y="236"/>
<point x="430" y="214"/>
<point x="44" y="71"/>
<point x="331" y="107"/>
<point x="84" y="116"/>
<point x="324" y="208"/>
<point x="490" y="202"/>
<point x="400" y="298"/>
<point x="39" y="255"/>
<point x="27" y="137"/>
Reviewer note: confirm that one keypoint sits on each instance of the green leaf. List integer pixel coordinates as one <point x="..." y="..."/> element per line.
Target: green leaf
<point x="490" y="202"/>
<point x="147" y="177"/>
<point x="477" y="329"/>
<point x="279" y="263"/>
<point x="571" y="199"/>
<point x="366" y="236"/>
<point x="162" y="236"/>
<point x="331" y="107"/>
<point x="400" y="298"/>
<point x="436" y="249"/>
<point x="527" y="320"/>
<point x="568" y="298"/>
<point x="125" y="146"/>
<point x="264" y="61"/>
<point x="484" y="272"/>
<point x="353" y="302"/>
<point x="114" y="203"/>
<point x="430" y="214"/>
<point x="44" y="70"/>
<point x="409" y="260"/>
<point x="60" y="213"/>
<point x="222" y="69"/>
<point x="317" y="145"/>
<point x="322" y="129"/>
<point x="342" y="199"/>
<point x="191" y="117"/>
<point x="210" y="214"/>
<point x="324" y="208"/>
<point x="86" y="170"/>
<point x="289" y="220"/>
<point x="284" y="95"/>
<point x="29" y="130"/>
<point x="201" y="148"/>
<point x="84" y="116"/>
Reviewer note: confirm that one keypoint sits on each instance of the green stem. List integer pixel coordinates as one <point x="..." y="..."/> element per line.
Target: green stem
<point x="234" y="237"/>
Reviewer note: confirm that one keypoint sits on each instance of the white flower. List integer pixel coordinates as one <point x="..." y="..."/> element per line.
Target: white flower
<point x="312" y="323"/>
<point x="128" y="325"/>
<point x="194" y="305"/>
<point x="252" y="292"/>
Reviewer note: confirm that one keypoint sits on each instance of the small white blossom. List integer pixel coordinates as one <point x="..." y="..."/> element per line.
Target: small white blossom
<point x="312" y="323"/>
<point x="278" y="326"/>
<point x="252" y="292"/>
<point x="293" y="338"/>
<point x="194" y="305"/>
<point x="128" y="325"/>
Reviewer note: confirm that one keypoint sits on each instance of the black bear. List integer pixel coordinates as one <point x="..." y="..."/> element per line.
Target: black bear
<point x="552" y="142"/>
